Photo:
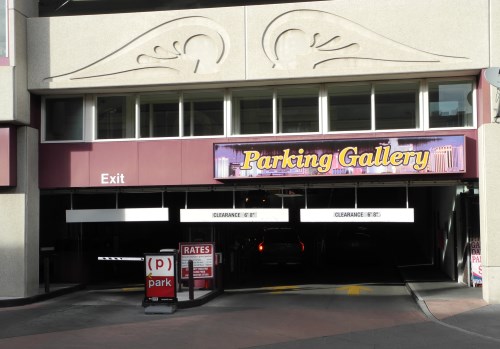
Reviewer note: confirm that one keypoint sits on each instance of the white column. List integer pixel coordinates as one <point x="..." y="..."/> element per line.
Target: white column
<point x="489" y="194"/>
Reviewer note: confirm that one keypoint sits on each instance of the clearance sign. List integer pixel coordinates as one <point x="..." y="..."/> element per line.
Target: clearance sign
<point x="375" y="156"/>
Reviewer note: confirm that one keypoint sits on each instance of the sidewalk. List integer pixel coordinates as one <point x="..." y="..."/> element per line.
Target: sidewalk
<point x="201" y="296"/>
<point x="452" y="304"/>
<point x="444" y="301"/>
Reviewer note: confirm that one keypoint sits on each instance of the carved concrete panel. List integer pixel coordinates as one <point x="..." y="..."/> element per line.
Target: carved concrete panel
<point x="339" y="38"/>
<point x="325" y="39"/>
<point x="162" y="48"/>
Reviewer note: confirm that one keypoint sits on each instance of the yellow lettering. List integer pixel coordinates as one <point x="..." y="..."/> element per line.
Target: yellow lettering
<point x="300" y="158"/>
<point x="421" y="160"/>
<point x="311" y="160"/>
<point x="325" y="163"/>
<point x="366" y="159"/>
<point x="396" y="158"/>
<point x="287" y="159"/>
<point x="264" y="163"/>
<point x="344" y="154"/>
<point x="250" y="156"/>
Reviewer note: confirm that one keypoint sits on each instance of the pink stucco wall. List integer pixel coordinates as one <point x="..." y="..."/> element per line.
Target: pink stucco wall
<point x="175" y="162"/>
<point x="8" y="155"/>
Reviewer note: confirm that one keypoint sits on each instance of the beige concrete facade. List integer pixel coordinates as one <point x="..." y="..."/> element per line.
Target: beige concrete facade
<point x="489" y="171"/>
<point x="327" y="39"/>
<point x="489" y="154"/>
<point x="338" y="40"/>
<point x="14" y="95"/>
<point x="19" y="206"/>
<point x="19" y="218"/>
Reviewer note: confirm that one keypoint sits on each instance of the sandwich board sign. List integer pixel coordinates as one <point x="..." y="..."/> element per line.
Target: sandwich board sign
<point x="160" y="278"/>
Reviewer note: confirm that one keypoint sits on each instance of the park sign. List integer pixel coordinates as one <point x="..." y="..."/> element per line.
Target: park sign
<point x="160" y="278"/>
<point x="371" y="156"/>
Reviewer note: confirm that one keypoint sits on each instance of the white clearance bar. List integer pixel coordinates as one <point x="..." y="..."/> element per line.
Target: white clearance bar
<point x="224" y="215"/>
<point x="118" y="215"/>
<point x="390" y="215"/>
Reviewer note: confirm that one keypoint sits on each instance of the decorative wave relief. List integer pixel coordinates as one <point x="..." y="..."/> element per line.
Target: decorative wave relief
<point x="310" y="39"/>
<point x="189" y="45"/>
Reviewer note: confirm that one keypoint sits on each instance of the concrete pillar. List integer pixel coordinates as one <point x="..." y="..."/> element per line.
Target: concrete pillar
<point x="489" y="192"/>
<point x="19" y="205"/>
<point x="19" y="221"/>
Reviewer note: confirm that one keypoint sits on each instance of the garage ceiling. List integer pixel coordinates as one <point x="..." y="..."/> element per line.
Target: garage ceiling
<point x="49" y="8"/>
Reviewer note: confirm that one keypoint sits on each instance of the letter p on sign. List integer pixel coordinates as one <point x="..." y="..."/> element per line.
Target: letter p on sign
<point x="160" y="265"/>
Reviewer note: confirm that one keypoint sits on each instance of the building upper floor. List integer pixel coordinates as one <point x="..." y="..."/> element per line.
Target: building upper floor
<point x="240" y="46"/>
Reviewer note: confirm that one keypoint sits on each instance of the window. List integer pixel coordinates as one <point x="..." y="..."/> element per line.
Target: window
<point x="396" y="106"/>
<point x="450" y="104"/>
<point x="64" y="119"/>
<point x="298" y="109"/>
<point x="335" y="107"/>
<point x="252" y="112"/>
<point x="3" y="28"/>
<point x="203" y="114"/>
<point x="349" y="107"/>
<point x="159" y="116"/>
<point x="115" y="117"/>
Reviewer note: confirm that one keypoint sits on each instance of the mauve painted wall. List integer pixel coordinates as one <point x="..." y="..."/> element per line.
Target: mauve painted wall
<point x="483" y="100"/>
<point x="174" y="162"/>
<point x="8" y="156"/>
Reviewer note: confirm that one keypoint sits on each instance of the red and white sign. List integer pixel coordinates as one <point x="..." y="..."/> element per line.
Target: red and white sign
<point x="202" y="255"/>
<point x="160" y="276"/>
<point x="476" y="263"/>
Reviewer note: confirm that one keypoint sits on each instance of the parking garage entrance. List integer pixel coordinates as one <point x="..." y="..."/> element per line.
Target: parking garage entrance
<point x="349" y="251"/>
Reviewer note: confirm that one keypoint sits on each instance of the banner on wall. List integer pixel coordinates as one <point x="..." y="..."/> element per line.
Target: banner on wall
<point x="374" y="156"/>
<point x="476" y="265"/>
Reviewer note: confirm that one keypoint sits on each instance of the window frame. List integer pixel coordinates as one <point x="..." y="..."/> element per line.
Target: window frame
<point x="327" y="107"/>
<point x="277" y="110"/>
<point x="276" y="119"/>
<point x="224" y="113"/>
<point x="95" y="121"/>
<point x="4" y="60"/>
<point x="451" y="79"/>
<point x="232" y="118"/>
<point x="419" y="101"/>
<point x="43" y="126"/>
<point x="90" y="112"/>
<point x="138" y="113"/>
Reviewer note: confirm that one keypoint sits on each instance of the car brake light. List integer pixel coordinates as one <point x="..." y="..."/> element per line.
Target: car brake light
<point x="301" y="246"/>
<point x="261" y="247"/>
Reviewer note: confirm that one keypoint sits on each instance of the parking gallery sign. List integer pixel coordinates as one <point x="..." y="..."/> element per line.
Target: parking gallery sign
<point x="375" y="156"/>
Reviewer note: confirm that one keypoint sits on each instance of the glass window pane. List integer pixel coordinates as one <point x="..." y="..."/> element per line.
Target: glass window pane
<point x="203" y="114"/>
<point x="396" y="106"/>
<point x="298" y="110"/>
<point x="252" y="112"/>
<point x="159" y="116"/>
<point x="450" y="104"/>
<point x="3" y="28"/>
<point x="349" y="107"/>
<point x="64" y="119"/>
<point x="115" y="117"/>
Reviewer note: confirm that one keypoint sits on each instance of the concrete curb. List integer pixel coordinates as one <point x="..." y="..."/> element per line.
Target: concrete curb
<point x="425" y="309"/>
<point x="15" y="302"/>
<point x="199" y="301"/>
